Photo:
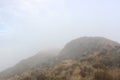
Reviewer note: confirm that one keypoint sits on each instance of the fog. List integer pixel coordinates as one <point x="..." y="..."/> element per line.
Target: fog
<point x="28" y="26"/>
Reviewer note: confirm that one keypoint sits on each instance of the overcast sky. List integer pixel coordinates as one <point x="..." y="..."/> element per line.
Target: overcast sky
<point x="28" y="26"/>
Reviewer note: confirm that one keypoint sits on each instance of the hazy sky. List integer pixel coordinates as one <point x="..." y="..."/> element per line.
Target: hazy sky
<point x="28" y="26"/>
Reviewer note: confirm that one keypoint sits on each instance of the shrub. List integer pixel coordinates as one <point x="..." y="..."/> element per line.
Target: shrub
<point x="102" y="75"/>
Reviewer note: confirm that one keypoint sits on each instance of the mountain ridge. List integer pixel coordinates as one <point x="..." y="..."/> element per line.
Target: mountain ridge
<point x="87" y="53"/>
<point x="86" y="45"/>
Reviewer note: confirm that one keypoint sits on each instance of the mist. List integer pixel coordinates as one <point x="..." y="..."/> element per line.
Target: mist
<point x="29" y="26"/>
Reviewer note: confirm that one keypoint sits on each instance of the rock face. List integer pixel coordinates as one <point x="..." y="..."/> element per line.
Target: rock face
<point x="87" y="45"/>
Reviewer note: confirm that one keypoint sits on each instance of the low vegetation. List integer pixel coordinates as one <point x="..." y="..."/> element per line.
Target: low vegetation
<point x="101" y="62"/>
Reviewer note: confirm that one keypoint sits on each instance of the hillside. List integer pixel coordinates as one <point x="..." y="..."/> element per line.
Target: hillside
<point x="41" y="59"/>
<point x="86" y="58"/>
<point x="87" y="45"/>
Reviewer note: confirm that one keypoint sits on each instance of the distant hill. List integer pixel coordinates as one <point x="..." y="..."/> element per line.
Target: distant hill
<point x="86" y="58"/>
<point x="41" y="59"/>
<point x="87" y="45"/>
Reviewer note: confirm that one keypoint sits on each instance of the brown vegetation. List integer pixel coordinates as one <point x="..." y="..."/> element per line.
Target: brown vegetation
<point x="87" y="59"/>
